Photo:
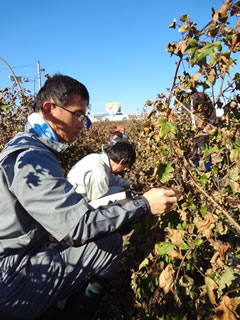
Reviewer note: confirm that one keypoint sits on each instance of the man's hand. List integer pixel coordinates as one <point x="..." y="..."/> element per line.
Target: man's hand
<point x="160" y="200"/>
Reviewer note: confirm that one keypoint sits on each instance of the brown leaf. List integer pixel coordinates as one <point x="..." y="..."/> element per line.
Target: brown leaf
<point x="196" y="76"/>
<point x="216" y="262"/>
<point x="183" y="214"/>
<point x="175" y="255"/>
<point x="214" y="258"/>
<point x="223" y="249"/>
<point x="146" y="131"/>
<point x="182" y="45"/>
<point x="226" y="310"/>
<point x="166" y="278"/>
<point x="173" y="24"/>
<point x="175" y="236"/>
<point x="206" y="225"/>
<point x="222" y="12"/>
<point x="211" y="286"/>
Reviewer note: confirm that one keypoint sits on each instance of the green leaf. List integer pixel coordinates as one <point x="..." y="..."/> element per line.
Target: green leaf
<point x="226" y="278"/>
<point x="194" y="57"/>
<point x="204" y="52"/>
<point x="198" y="242"/>
<point x="215" y="169"/>
<point x="203" y="180"/>
<point x="217" y="45"/>
<point x="206" y="153"/>
<point x="184" y="246"/>
<point x="212" y="59"/>
<point x="188" y="266"/>
<point x="192" y="43"/>
<point x="208" y="50"/>
<point x="203" y="210"/>
<point x="164" y="172"/>
<point x="164" y="247"/>
<point x="234" y="154"/>
<point x="183" y="28"/>
<point x="165" y="127"/>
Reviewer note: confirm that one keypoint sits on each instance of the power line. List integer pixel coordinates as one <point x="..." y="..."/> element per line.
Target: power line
<point x="28" y="65"/>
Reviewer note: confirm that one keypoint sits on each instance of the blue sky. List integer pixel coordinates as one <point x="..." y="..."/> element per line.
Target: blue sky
<point x="117" y="48"/>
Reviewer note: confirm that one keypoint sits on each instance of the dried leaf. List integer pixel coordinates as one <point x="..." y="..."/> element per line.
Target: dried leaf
<point x="166" y="278"/>
<point x="223" y="249"/>
<point x="214" y="258"/>
<point x="173" y="24"/>
<point x="146" y="131"/>
<point x="175" y="255"/>
<point x="175" y="236"/>
<point x="183" y="215"/>
<point x="222" y="13"/>
<point x="196" y="76"/>
<point x="206" y="225"/>
<point x="143" y="264"/>
<point x="227" y="308"/>
<point x="211" y="286"/>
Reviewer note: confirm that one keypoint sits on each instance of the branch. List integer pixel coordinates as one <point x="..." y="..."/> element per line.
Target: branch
<point x="183" y="262"/>
<point x="227" y="215"/>
<point x="174" y="81"/>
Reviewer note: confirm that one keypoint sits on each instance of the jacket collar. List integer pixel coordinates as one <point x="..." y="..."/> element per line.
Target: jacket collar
<point x="55" y="146"/>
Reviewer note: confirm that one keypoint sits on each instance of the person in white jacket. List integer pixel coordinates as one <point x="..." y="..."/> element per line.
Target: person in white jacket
<point x="94" y="176"/>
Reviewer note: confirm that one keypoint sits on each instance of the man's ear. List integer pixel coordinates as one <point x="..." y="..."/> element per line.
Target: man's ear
<point x="47" y="107"/>
<point x="121" y="162"/>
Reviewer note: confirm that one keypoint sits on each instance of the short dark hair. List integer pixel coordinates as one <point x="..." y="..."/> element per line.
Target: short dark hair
<point x="118" y="134"/>
<point x="60" y="89"/>
<point x="122" y="150"/>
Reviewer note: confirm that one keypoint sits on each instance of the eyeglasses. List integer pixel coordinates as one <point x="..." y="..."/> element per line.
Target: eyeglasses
<point x="81" y="117"/>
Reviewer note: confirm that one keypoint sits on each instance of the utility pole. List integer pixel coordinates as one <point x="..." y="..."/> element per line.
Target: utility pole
<point x="39" y="75"/>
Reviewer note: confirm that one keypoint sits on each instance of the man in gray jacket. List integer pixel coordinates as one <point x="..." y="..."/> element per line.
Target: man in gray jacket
<point x="37" y="201"/>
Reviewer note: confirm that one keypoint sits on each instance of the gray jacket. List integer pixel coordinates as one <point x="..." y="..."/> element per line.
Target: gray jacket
<point x="38" y="201"/>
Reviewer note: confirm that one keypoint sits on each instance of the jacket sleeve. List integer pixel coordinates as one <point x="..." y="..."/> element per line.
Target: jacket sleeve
<point x="118" y="181"/>
<point x="108" y="219"/>
<point x="41" y="192"/>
